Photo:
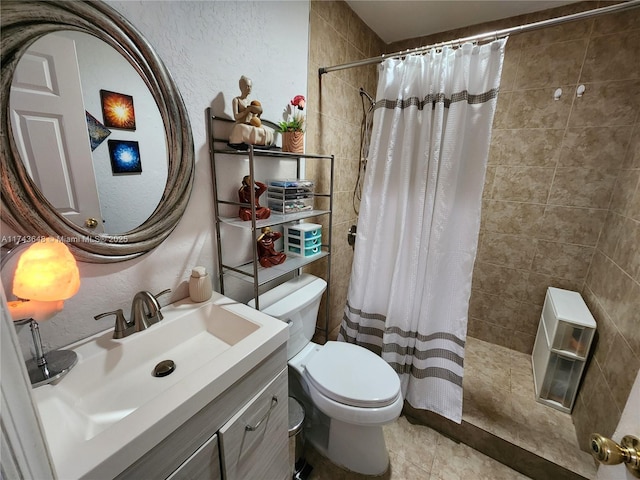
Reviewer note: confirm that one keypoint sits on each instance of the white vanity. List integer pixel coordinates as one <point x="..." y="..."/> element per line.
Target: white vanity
<point x="223" y="410"/>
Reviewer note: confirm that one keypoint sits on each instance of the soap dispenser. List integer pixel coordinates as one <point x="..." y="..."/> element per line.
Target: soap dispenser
<point x="200" y="288"/>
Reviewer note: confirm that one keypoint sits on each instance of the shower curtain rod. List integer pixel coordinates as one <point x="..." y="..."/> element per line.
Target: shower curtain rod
<point x="490" y="36"/>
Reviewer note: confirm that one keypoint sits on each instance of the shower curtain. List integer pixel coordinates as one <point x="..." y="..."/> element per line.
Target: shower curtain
<point x="420" y="217"/>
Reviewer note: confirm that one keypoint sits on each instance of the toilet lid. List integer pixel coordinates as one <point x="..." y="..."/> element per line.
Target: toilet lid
<point x="353" y="375"/>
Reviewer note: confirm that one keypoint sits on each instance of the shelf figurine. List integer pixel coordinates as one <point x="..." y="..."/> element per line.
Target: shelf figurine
<point x="267" y="254"/>
<point x="244" y="194"/>
<point x="248" y="129"/>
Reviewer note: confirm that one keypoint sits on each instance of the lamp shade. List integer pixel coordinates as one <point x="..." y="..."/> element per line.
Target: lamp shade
<point x="46" y="272"/>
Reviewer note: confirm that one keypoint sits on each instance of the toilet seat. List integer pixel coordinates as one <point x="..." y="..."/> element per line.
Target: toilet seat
<point x="352" y="375"/>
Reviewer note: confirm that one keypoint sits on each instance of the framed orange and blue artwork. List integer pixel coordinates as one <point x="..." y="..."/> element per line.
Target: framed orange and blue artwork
<point x="125" y="156"/>
<point x="117" y="110"/>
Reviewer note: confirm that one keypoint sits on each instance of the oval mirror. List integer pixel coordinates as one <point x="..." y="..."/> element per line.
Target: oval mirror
<point x="99" y="156"/>
<point x="30" y="211"/>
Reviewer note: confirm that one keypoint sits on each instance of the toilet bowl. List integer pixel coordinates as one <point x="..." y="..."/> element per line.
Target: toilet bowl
<point x="349" y="392"/>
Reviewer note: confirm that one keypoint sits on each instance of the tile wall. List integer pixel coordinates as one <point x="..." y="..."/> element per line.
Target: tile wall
<point x="562" y="196"/>
<point x="612" y="286"/>
<point x="334" y="114"/>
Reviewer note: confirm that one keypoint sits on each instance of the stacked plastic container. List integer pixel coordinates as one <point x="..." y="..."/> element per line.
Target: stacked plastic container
<point x="303" y="239"/>
<point x="561" y="348"/>
<point x="290" y="195"/>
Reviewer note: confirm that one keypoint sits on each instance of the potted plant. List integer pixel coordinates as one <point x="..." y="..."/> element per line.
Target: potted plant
<point x="292" y="128"/>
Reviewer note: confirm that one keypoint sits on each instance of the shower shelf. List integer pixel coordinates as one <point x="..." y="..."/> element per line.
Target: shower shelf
<point x="251" y="271"/>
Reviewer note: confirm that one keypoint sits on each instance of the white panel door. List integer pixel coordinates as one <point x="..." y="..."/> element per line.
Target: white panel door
<point x="629" y="425"/>
<point x="49" y="124"/>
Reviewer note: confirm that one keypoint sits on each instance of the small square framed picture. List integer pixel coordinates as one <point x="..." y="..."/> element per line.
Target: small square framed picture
<point x="117" y="110"/>
<point x="125" y="156"/>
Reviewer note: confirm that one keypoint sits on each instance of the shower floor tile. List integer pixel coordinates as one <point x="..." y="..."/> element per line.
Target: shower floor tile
<point x="499" y="398"/>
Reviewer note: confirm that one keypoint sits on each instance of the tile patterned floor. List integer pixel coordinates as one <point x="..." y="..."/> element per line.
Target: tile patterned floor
<point x="498" y="398"/>
<point x="420" y="453"/>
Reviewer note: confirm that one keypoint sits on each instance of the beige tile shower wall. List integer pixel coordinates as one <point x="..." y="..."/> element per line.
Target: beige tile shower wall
<point x="612" y="287"/>
<point x="334" y="114"/>
<point x="562" y="196"/>
<point x="547" y="188"/>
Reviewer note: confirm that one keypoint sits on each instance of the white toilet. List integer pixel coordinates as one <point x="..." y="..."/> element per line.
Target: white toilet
<point x="348" y="391"/>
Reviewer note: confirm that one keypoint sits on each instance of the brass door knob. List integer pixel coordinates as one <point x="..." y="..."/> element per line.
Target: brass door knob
<point x="91" y="223"/>
<point x="608" y="452"/>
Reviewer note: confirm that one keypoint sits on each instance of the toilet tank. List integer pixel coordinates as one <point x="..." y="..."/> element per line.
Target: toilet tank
<point x="295" y="302"/>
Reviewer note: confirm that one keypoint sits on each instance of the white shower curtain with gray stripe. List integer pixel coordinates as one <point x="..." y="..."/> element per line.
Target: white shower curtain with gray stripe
<point x="420" y="217"/>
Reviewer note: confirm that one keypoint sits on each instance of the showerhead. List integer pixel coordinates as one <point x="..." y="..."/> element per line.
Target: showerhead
<point x="363" y="93"/>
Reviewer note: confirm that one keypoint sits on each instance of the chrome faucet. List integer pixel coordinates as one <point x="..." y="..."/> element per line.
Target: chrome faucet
<point x="145" y="311"/>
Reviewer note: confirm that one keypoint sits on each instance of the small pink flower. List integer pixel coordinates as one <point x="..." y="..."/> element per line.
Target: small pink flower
<point x="298" y="101"/>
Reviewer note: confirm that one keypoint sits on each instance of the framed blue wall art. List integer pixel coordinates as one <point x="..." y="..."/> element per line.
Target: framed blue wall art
<point x="125" y="156"/>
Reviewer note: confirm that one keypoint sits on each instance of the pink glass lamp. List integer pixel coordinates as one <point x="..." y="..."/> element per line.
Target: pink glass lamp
<point x="45" y="277"/>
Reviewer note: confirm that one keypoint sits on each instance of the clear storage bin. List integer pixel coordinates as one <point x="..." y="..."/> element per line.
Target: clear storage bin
<point x="305" y="242"/>
<point x="561" y="348"/>
<point x="568" y="322"/>
<point x="540" y="359"/>
<point x="303" y="239"/>
<point x="303" y="252"/>
<point x="290" y="195"/>
<point x="303" y="230"/>
<point x="561" y="380"/>
<point x="291" y="183"/>
<point x="290" y="206"/>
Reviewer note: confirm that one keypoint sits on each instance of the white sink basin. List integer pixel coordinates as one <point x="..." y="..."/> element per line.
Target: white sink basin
<point x="92" y="416"/>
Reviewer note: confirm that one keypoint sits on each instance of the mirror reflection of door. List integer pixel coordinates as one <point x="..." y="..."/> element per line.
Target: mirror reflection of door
<point x="48" y="118"/>
<point x="42" y="83"/>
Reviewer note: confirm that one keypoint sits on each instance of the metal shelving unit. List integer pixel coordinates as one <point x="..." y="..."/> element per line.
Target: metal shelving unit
<point x="252" y="271"/>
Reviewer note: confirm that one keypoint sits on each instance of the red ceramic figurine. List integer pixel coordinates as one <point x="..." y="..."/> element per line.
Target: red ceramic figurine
<point x="267" y="254"/>
<point x="245" y="197"/>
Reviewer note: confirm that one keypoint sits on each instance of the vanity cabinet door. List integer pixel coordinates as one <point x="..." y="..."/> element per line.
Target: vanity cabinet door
<point x="204" y="464"/>
<point x="254" y="442"/>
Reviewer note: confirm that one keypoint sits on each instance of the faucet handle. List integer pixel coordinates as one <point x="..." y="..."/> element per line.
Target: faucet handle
<point x="159" y="315"/>
<point x="121" y="324"/>
<point x="163" y="292"/>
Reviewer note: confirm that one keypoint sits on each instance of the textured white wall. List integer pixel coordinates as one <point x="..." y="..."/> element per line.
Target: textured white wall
<point x="207" y="46"/>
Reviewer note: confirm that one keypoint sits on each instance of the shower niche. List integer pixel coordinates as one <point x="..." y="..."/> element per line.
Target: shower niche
<point x="561" y="348"/>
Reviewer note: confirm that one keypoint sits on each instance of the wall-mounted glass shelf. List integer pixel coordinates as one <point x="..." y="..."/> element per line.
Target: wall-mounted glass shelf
<point x="274" y="219"/>
<point x="270" y="152"/>
<point x="266" y="275"/>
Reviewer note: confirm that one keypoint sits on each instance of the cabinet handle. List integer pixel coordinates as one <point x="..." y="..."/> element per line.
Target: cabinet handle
<point x="253" y="428"/>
